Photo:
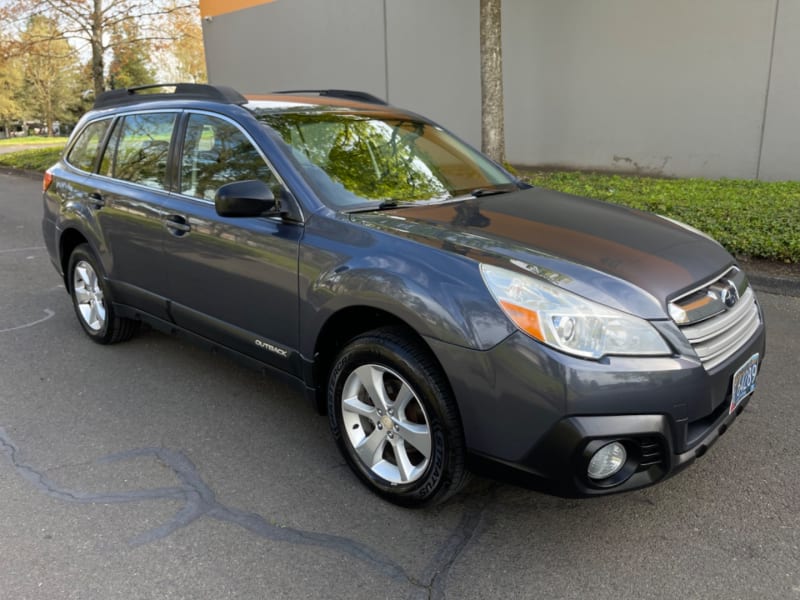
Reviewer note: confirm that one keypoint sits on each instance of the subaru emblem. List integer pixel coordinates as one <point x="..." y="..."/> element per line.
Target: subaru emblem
<point x="729" y="295"/>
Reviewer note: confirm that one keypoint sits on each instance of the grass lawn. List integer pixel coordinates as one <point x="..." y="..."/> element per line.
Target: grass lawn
<point x="33" y="140"/>
<point x="37" y="159"/>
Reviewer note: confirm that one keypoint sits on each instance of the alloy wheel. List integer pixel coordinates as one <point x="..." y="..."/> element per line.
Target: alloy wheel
<point x="89" y="296"/>
<point x="386" y="424"/>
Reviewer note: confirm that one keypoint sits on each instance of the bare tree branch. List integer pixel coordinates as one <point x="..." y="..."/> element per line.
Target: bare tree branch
<point x="95" y="22"/>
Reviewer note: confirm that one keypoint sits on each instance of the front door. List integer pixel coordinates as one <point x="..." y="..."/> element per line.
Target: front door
<point x="232" y="280"/>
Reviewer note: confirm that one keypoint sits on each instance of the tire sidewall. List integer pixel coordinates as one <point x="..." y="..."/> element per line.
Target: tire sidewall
<point x="386" y="353"/>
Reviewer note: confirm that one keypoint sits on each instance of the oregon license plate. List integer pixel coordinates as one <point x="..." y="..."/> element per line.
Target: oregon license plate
<point x="744" y="381"/>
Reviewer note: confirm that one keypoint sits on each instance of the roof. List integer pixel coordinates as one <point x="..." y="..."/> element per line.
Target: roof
<point x="227" y="95"/>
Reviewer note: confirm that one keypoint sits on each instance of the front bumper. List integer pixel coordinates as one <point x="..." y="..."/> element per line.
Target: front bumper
<point x="563" y="455"/>
<point x="535" y="416"/>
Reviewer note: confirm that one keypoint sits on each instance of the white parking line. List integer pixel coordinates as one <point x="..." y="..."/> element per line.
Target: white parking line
<point x="23" y="249"/>
<point x="47" y="311"/>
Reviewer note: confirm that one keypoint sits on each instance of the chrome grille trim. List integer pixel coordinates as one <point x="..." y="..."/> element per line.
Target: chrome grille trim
<point x="718" y="338"/>
<point x="710" y="327"/>
<point x="709" y="299"/>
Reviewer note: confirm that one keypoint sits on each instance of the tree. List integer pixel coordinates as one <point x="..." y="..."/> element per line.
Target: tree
<point x="493" y="142"/>
<point x="130" y="66"/>
<point x="184" y="58"/>
<point x="10" y="85"/>
<point x="95" y="21"/>
<point x="49" y="66"/>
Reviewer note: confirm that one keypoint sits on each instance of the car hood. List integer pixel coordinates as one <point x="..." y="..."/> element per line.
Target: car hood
<point x="628" y="259"/>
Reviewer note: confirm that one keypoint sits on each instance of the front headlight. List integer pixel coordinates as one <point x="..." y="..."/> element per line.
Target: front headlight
<point x="569" y="322"/>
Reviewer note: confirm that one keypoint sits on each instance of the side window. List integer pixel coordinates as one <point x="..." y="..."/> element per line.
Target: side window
<point x="142" y="150"/>
<point x="107" y="160"/>
<point x="216" y="152"/>
<point x="84" y="151"/>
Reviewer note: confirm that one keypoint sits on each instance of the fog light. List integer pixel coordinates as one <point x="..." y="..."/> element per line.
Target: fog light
<point x="607" y="461"/>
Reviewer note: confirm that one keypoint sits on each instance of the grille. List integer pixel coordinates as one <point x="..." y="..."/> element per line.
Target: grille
<point x="715" y="329"/>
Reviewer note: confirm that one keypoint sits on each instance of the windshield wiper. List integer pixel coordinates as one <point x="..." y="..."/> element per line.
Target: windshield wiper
<point x="481" y="192"/>
<point x="383" y="205"/>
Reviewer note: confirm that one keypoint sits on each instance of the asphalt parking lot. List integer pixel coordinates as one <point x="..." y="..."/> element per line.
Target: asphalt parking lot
<point x="154" y="469"/>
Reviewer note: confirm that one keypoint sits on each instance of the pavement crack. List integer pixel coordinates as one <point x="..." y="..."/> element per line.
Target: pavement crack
<point x="199" y="501"/>
<point x="453" y="547"/>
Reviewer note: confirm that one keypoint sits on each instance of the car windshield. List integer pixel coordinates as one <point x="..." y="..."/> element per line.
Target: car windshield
<point x="364" y="160"/>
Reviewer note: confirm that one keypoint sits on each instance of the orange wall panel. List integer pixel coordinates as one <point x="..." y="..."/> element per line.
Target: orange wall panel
<point x="212" y="8"/>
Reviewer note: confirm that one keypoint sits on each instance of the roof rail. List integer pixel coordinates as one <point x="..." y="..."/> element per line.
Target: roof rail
<point x="182" y="91"/>
<point x="345" y="94"/>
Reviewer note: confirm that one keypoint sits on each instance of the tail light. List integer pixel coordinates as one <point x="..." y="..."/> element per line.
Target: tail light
<point x="48" y="179"/>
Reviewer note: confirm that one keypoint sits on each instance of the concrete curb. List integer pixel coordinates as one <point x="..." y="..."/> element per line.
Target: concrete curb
<point x="771" y="284"/>
<point x="21" y="172"/>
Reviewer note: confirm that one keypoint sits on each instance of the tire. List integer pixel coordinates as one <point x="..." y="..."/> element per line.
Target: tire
<point x="395" y="421"/>
<point x="92" y="301"/>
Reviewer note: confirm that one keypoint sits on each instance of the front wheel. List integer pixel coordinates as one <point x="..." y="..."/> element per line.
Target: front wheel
<point x="395" y="421"/>
<point x="92" y="302"/>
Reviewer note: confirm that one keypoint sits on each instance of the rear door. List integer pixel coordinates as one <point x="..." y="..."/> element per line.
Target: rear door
<point x="233" y="280"/>
<point x="129" y="194"/>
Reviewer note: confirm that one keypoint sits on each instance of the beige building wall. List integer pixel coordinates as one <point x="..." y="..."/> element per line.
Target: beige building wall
<point x="780" y="156"/>
<point x="685" y="87"/>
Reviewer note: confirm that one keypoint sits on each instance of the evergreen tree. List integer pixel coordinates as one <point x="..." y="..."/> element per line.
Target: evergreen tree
<point x="130" y="66"/>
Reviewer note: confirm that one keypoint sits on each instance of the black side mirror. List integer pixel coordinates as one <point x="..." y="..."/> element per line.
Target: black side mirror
<point x="249" y="198"/>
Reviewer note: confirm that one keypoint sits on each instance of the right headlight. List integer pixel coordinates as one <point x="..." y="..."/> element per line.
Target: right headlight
<point x="569" y="322"/>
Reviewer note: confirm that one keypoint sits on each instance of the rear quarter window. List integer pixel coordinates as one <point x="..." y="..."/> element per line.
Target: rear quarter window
<point x="83" y="154"/>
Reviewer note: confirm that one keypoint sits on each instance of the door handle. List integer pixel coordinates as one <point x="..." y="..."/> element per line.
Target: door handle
<point x="177" y="225"/>
<point x="96" y="200"/>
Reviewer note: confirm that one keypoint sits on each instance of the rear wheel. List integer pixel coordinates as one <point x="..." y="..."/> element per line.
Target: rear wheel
<point x="394" y="419"/>
<point x="92" y="302"/>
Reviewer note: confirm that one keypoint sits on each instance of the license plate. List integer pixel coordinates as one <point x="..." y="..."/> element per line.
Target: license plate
<point x="744" y="381"/>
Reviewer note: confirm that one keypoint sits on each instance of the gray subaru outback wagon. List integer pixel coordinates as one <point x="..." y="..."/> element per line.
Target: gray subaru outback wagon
<point x="445" y="315"/>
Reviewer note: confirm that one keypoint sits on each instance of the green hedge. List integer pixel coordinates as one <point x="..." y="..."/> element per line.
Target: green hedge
<point x="34" y="160"/>
<point x="752" y="219"/>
